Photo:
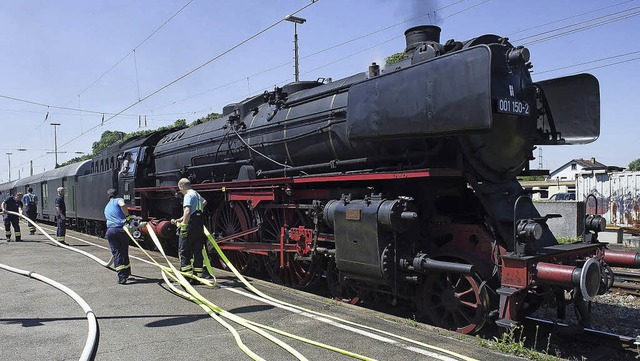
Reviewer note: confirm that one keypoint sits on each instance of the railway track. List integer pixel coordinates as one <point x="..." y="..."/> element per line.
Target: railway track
<point x="627" y="282"/>
<point x="601" y="345"/>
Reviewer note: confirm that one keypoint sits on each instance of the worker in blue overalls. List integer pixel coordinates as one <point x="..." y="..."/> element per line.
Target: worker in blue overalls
<point x="13" y="204"/>
<point x="30" y="202"/>
<point x="191" y="237"/>
<point x="61" y="216"/>
<point x="117" y="216"/>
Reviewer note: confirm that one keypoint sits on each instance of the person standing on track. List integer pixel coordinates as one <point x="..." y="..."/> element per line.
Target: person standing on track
<point x="11" y="203"/>
<point x="191" y="236"/>
<point x="61" y="216"/>
<point x="117" y="216"/>
<point x="30" y="201"/>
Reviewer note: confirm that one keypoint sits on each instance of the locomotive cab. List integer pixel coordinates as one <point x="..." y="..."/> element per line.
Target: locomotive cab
<point x="127" y="174"/>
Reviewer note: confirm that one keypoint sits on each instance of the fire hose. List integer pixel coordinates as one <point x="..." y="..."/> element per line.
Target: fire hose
<point x="338" y="319"/>
<point x="193" y="295"/>
<point x="93" y="337"/>
<point x="218" y="313"/>
<point x="212" y="309"/>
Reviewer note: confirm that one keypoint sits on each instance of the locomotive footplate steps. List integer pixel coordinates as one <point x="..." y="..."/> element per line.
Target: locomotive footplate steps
<point x="146" y="321"/>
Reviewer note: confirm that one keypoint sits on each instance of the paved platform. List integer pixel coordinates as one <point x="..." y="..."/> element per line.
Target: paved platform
<point x="143" y="320"/>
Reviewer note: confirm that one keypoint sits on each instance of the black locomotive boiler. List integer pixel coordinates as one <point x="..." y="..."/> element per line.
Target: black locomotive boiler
<point x="398" y="185"/>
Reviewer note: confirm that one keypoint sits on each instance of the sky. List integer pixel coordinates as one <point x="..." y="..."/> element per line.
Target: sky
<point x="70" y="62"/>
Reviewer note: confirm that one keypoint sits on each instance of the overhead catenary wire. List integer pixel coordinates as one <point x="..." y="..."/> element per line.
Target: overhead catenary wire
<point x="79" y="109"/>
<point x="592" y="61"/>
<point x="607" y="65"/>
<point x="244" y="78"/>
<point x="570" y="17"/>
<point x="135" y="47"/>
<point x="397" y="37"/>
<point x="193" y="70"/>
<point x="582" y="28"/>
<point x="360" y="37"/>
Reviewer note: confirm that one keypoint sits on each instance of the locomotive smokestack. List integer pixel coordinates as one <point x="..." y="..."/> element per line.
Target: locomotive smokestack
<point x="374" y="70"/>
<point x="421" y="34"/>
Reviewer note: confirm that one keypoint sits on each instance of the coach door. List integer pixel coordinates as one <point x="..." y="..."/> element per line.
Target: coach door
<point x="70" y="195"/>
<point x="44" y="198"/>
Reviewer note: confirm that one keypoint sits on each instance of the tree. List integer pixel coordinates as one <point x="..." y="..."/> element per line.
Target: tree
<point x="208" y="118"/>
<point x="108" y="138"/>
<point x="77" y="159"/>
<point x="634" y="165"/>
<point x="394" y="58"/>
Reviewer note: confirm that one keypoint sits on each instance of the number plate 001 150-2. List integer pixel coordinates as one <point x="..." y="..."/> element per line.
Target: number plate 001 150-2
<point x="512" y="106"/>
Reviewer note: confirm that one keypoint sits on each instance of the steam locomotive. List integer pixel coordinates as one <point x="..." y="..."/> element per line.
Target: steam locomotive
<point x="394" y="185"/>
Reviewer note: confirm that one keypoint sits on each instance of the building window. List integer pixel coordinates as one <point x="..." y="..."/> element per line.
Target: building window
<point x="574" y="166"/>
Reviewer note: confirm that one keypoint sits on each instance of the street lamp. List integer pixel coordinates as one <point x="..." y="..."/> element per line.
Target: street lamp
<point x="9" y="161"/>
<point x="55" y="141"/>
<point x="295" y="20"/>
<point x="9" y="158"/>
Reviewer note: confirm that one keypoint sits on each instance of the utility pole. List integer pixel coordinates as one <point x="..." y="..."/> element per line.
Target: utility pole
<point x="55" y="141"/>
<point x="295" y="20"/>
<point x="9" y="158"/>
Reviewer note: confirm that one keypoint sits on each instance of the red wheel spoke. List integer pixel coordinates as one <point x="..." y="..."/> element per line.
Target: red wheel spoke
<point x="460" y="294"/>
<point x="295" y="273"/>
<point x="469" y="304"/>
<point x="229" y="219"/>
<point x="453" y="301"/>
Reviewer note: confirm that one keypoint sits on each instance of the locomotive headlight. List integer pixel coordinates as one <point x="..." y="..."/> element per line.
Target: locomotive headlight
<point x="518" y="56"/>
<point x="529" y="230"/>
<point x="595" y="223"/>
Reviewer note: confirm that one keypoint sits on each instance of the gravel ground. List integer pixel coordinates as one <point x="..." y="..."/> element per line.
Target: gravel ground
<point x="614" y="312"/>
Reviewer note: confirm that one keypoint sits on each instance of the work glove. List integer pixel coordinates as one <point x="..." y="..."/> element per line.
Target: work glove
<point x="127" y="221"/>
<point x="183" y="230"/>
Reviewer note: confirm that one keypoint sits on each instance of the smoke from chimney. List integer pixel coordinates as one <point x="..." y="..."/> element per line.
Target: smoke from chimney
<point x="424" y="11"/>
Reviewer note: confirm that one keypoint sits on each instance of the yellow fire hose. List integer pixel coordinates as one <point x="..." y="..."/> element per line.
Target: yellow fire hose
<point x="259" y="293"/>
<point x="101" y="262"/>
<point x="215" y="311"/>
<point x="210" y="308"/>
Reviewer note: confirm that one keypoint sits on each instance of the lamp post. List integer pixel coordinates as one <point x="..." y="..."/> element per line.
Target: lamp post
<point x="9" y="159"/>
<point x="55" y="141"/>
<point x="295" y="20"/>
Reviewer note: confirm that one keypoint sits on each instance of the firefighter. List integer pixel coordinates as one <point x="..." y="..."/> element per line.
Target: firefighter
<point x="30" y="201"/>
<point x="191" y="236"/>
<point x="12" y="203"/>
<point x="61" y="216"/>
<point x="117" y="216"/>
